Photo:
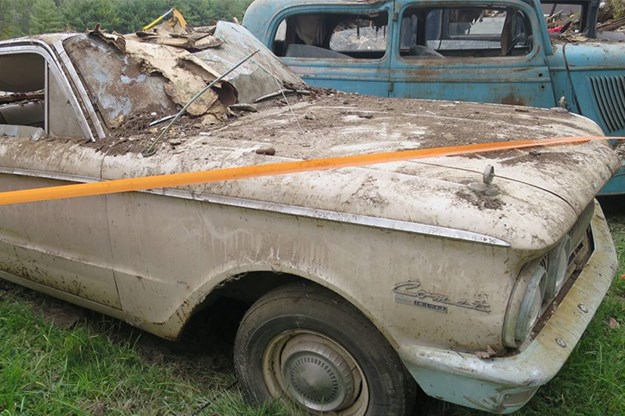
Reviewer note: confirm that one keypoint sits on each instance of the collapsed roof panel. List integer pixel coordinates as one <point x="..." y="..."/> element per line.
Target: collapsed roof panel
<point x="129" y="78"/>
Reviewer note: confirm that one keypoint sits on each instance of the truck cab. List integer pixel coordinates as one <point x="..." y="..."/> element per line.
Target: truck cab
<point x="494" y="51"/>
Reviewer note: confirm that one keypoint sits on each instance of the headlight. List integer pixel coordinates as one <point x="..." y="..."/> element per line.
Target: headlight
<point x="540" y="281"/>
<point x="526" y="304"/>
<point x="558" y="260"/>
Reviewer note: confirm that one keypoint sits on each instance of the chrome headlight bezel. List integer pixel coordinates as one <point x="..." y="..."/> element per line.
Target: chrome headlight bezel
<point x="547" y="277"/>
<point x="526" y="304"/>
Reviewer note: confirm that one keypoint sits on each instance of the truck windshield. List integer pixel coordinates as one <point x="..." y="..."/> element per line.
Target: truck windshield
<point x="572" y="16"/>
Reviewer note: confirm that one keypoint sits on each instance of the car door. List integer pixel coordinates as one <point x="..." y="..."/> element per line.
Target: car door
<point x="340" y="45"/>
<point x="55" y="245"/>
<point x="490" y="52"/>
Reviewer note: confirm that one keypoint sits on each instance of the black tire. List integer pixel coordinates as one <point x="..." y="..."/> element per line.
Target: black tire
<point x="299" y="342"/>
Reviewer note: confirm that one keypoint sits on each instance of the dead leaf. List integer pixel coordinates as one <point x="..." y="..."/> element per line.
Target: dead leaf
<point x="490" y="352"/>
<point x="100" y="409"/>
<point x="613" y="323"/>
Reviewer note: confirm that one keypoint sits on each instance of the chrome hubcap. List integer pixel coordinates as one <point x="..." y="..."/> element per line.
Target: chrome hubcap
<point x="317" y="373"/>
<point x="319" y="378"/>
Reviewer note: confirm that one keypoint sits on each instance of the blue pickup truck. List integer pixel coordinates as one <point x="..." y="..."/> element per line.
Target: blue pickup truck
<point x="497" y="51"/>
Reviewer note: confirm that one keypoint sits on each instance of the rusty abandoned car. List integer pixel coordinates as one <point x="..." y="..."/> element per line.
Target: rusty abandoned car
<point x="467" y="277"/>
<point x="494" y="51"/>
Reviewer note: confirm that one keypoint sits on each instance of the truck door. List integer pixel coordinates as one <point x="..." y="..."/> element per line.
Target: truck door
<point x="489" y="52"/>
<point x="341" y="46"/>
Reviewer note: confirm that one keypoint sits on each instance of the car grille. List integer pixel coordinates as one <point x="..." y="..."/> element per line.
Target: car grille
<point x="582" y="223"/>
<point x="581" y="237"/>
<point x="609" y="94"/>
<point x="582" y="243"/>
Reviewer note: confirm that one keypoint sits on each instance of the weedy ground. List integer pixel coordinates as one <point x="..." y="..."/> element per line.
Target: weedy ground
<point x="56" y="359"/>
<point x="75" y="362"/>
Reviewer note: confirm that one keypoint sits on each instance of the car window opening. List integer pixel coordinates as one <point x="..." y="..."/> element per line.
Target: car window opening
<point x="32" y="103"/>
<point x="22" y="94"/>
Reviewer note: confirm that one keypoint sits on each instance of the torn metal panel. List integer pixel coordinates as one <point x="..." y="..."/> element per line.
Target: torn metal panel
<point x="207" y="42"/>
<point x="192" y="42"/>
<point x="173" y="35"/>
<point x="122" y="79"/>
<point x="117" y="85"/>
<point x="263" y="75"/>
<point x="182" y="85"/>
<point x="114" y="38"/>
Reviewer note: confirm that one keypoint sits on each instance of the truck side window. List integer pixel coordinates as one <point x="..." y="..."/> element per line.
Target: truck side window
<point x="465" y="32"/>
<point x="333" y="36"/>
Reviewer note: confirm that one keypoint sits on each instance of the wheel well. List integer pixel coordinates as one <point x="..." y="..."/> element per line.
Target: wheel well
<point x="216" y="320"/>
<point x="249" y="287"/>
<point x="228" y="303"/>
<point x="223" y="309"/>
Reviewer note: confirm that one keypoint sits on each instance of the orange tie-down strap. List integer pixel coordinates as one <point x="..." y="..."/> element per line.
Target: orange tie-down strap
<point x="272" y="169"/>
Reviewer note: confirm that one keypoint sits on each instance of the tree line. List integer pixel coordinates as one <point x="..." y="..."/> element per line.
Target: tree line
<point x="28" y="17"/>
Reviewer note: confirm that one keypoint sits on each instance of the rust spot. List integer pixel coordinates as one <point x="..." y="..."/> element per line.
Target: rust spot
<point x="511" y="99"/>
<point x="422" y="73"/>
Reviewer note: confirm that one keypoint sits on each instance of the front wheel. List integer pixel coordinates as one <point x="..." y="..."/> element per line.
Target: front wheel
<point x="309" y="346"/>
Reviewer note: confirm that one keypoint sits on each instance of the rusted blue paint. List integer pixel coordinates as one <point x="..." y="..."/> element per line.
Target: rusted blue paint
<point x="541" y="78"/>
<point x="586" y="78"/>
<point x="616" y="185"/>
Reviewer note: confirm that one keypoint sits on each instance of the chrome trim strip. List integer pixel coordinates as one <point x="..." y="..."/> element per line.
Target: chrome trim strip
<point x="411" y="227"/>
<point x="46" y="96"/>
<point x="48" y="175"/>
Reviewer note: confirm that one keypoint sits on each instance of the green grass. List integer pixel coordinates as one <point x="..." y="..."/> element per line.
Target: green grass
<point x="89" y="368"/>
<point x="75" y="362"/>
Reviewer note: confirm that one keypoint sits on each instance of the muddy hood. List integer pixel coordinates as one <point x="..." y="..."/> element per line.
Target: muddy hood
<point x="538" y="193"/>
